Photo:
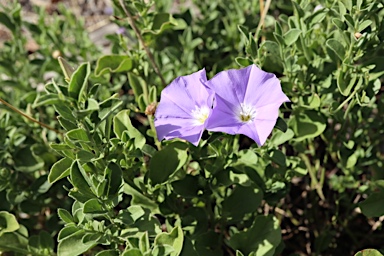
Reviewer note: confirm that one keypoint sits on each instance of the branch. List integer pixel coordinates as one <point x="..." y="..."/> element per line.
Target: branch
<point x="138" y="34"/>
<point x="28" y="117"/>
<point x="263" y="11"/>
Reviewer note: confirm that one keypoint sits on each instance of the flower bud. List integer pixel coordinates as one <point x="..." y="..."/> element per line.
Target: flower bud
<point x="151" y="109"/>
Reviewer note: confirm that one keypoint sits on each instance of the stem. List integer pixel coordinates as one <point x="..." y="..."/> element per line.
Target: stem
<point x="151" y="123"/>
<point x="28" y="117"/>
<point x="345" y="101"/>
<point x="264" y="10"/>
<point x="312" y="173"/>
<point x="141" y="39"/>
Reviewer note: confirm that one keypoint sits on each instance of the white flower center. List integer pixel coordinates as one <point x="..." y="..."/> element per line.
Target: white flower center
<point x="200" y="114"/>
<point x="246" y="113"/>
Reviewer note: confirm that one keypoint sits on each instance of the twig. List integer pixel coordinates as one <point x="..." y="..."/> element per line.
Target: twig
<point x="264" y="10"/>
<point x="261" y="2"/>
<point x="138" y="34"/>
<point x="28" y="117"/>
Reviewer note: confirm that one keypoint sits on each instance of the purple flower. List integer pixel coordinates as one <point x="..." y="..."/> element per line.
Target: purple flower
<point x="184" y="108"/>
<point x="108" y="10"/>
<point x="247" y="102"/>
<point x="121" y="31"/>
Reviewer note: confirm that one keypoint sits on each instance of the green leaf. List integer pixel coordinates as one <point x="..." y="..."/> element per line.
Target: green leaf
<point x="161" y="22"/>
<point x="41" y="244"/>
<point x="144" y="242"/>
<point x="281" y="124"/>
<point x="15" y="242"/>
<point x="167" y="161"/>
<point x="139" y="199"/>
<point x="132" y="252"/>
<point x="114" y="178"/>
<point x="111" y="252"/>
<point x="67" y="125"/>
<point x="300" y="12"/>
<point x="339" y="23"/>
<point x="65" y="112"/>
<point x="59" y="170"/>
<point x="84" y="156"/>
<point x="153" y="94"/>
<point x="92" y="106"/>
<point x="67" y="69"/>
<point x="369" y="252"/>
<point x="74" y="245"/>
<point x="346" y="83"/>
<point x="67" y="231"/>
<point x="162" y="250"/>
<point x="242" y="200"/>
<point x="8" y="222"/>
<point x="279" y="137"/>
<point x="337" y="48"/>
<point x="79" y="81"/>
<point x="47" y="99"/>
<point x="364" y="25"/>
<point x="130" y="215"/>
<point x="278" y="157"/>
<point x="93" y="206"/>
<point x="6" y="21"/>
<point x="122" y="123"/>
<point x="348" y="4"/>
<point x="174" y="238"/>
<point x="78" y="134"/>
<point x="243" y="62"/>
<point x="27" y="161"/>
<point x="46" y="240"/>
<point x="310" y="102"/>
<point x="113" y="64"/>
<point x="137" y="84"/>
<point x="187" y="187"/>
<point x="291" y="36"/>
<point x="244" y="31"/>
<point x="307" y="124"/>
<point x="262" y="238"/>
<point x="373" y="206"/>
<point x="279" y="39"/>
<point x="317" y="17"/>
<point x="78" y="179"/>
<point x="65" y="215"/>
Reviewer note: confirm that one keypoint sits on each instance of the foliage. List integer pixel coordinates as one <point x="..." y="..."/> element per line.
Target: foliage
<point x="97" y="181"/>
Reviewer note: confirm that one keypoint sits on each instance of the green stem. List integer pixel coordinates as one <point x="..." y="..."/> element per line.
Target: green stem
<point x="312" y="173"/>
<point x="152" y="124"/>
<point x="345" y="101"/>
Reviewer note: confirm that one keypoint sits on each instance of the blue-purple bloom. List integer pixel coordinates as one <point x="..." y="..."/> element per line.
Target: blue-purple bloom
<point x="184" y="108"/>
<point x="247" y="102"/>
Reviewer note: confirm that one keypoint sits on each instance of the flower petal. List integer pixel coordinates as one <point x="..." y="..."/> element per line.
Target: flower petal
<point x="249" y="129"/>
<point x="230" y="85"/>
<point x="193" y="135"/>
<point x="263" y="88"/>
<point x="264" y="129"/>
<point x="167" y="125"/>
<point x="174" y="116"/>
<point x="187" y="91"/>
<point x="268" y="112"/>
<point x="223" y="118"/>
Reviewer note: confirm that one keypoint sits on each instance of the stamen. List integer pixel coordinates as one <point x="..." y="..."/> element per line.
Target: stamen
<point x="246" y="113"/>
<point x="200" y="114"/>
